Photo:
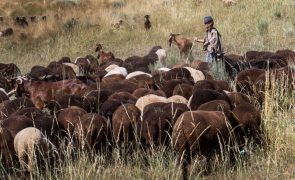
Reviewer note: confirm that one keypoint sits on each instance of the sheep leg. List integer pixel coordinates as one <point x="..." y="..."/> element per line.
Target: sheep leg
<point x="186" y="161"/>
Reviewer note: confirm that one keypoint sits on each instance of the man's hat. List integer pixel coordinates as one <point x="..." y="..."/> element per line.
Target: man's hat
<point x="207" y="19"/>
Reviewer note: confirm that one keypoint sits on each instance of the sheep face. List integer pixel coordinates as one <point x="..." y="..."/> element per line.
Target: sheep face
<point x="171" y="39"/>
<point x="98" y="47"/>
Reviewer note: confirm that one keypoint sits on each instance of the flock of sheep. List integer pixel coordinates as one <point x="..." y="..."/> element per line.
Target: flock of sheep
<point x="99" y="103"/>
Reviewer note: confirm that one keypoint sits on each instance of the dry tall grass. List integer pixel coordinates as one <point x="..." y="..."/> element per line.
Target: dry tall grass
<point x="248" y="25"/>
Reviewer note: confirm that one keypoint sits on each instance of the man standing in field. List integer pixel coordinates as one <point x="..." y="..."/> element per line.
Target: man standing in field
<point x="212" y="41"/>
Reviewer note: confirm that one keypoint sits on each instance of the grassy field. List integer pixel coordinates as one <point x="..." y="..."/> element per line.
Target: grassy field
<point x="247" y="25"/>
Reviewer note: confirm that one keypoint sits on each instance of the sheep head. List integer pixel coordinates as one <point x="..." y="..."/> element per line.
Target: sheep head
<point x="98" y="47"/>
<point x="172" y="38"/>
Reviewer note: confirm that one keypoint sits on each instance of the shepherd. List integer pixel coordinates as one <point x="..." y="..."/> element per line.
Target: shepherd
<point x="212" y="41"/>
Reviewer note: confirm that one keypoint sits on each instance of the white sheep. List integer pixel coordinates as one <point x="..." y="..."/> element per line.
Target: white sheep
<point x="149" y="99"/>
<point x="161" y="53"/>
<point x="27" y="143"/>
<point x="111" y="67"/>
<point x="178" y="99"/>
<point x="117" y="70"/>
<point x="197" y="75"/>
<point x="164" y="69"/>
<point x="136" y="73"/>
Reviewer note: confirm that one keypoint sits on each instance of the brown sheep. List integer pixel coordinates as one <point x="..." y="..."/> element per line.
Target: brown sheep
<point x="6" y="148"/>
<point x="9" y="70"/>
<point x="87" y="64"/>
<point x="30" y="112"/>
<point x="155" y="128"/>
<point x="61" y="71"/>
<point x="124" y="122"/>
<point x="215" y="105"/>
<point x="44" y="123"/>
<point x="269" y="63"/>
<point x="14" y="124"/>
<point x="142" y="80"/>
<point x="3" y="95"/>
<point x="69" y="117"/>
<point x="238" y="98"/>
<point x="43" y="92"/>
<point x="184" y="90"/>
<point x="114" y="101"/>
<point x="104" y="57"/>
<point x="211" y="84"/>
<point x="234" y="64"/>
<point x="140" y="92"/>
<point x="64" y="60"/>
<point x="200" y="65"/>
<point x="199" y="133"/>
<point x="115" y="61"/>
<point x="286" y="54"/>
<point x="200" y="97"/>
<point x="246" y="79"/>
<point x="252" y="55"/>
<point x="7" y="85"/>
<point x="280" y="75"/>
<point x="112" y="78"/>
<point x="99" y="95"/>
<point x="92" y="132"/>
<point x="39" y="72"/>
<point x="10" y="106"/>
<point x="87" y="103"/>
<point x="250" y="120"/>
<point x="177" y="73"/>
<point x="168" y="86"/>
<point x="134" y="62"/>
<point x="137" y="63"/>
<point x="180" y="65"/>
<point x="120" y="86"/>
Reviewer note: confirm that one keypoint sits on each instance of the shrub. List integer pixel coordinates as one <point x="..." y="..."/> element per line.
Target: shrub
<point x="276" y="12"/>
<point x="70" y="24"/>
<point x="289" y="31"/>
<point x="262" y="27"/>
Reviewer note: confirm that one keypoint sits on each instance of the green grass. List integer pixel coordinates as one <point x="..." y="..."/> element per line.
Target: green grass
<point x="248" y="25"/>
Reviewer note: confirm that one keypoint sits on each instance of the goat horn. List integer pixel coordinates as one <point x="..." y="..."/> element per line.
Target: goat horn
<point x="19" y="81"/>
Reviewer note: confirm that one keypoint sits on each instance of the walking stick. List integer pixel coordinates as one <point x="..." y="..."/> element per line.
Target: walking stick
<point x="186" y="61"/>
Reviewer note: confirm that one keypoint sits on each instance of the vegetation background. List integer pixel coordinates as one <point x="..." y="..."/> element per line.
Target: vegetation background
<point x="246" y="25"/>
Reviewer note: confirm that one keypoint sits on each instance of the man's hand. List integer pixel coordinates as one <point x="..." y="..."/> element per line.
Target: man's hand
<point x="196" y="39"/>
